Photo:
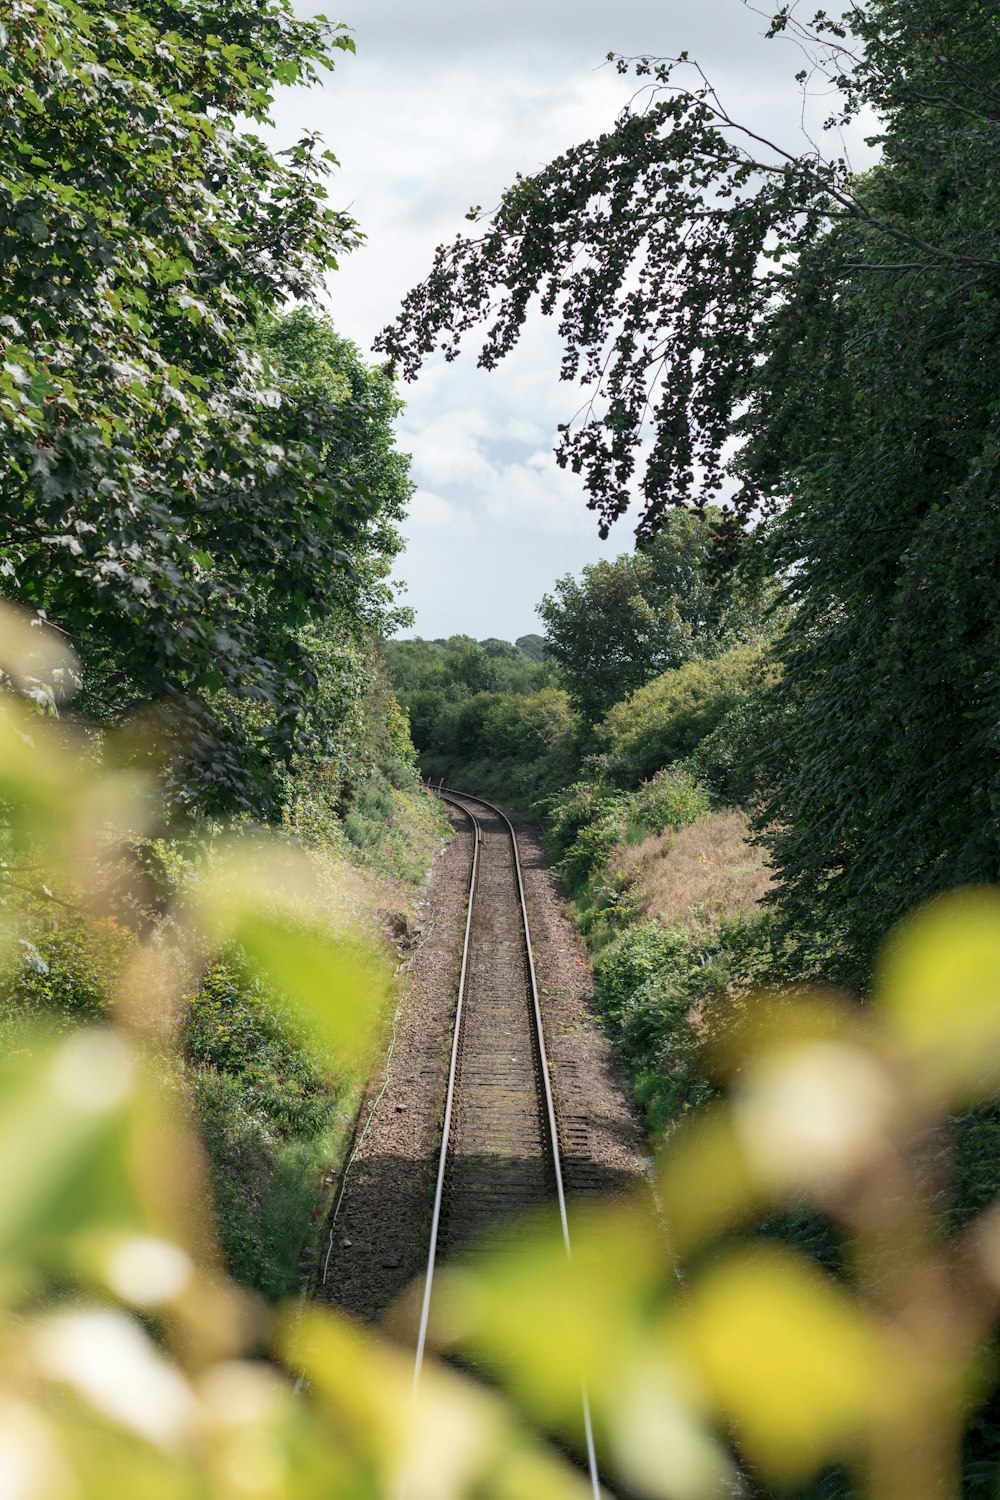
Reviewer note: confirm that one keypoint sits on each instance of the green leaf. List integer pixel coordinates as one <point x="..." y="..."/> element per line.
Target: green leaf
<point x="938" y="984"/>
<point x="335" y="991"/>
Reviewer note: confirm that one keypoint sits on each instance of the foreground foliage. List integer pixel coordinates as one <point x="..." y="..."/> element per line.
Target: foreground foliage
<point x="132" y="1371"/>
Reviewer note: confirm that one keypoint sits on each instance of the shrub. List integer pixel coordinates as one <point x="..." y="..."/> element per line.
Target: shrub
<point x="575" y="807"/>
<point x="68" y="965"/>
<point x="588" y="822"/>
<point x="648" y="980"/>
<point x="593" y="846"/>
<point x="666" y="720"/>
<point x="234" y="1027"/>
<point x="671" y="799"/>
<point x="636" y="956"/>
<point x="662" y="991"/>
<point x="264" y="1178"/>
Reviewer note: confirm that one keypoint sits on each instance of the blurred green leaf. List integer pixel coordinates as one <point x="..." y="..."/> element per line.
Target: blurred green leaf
<point x="784" y="1355"/>
<point x="336" y="991"/>
<point x="938" y="987"/>
<point x="65" y="1164"/>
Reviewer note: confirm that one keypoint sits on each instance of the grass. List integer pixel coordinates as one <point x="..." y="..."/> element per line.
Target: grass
<point x="702" y="874"/>
<point x="668" y="896"/>
<point x="267" y="1177"/>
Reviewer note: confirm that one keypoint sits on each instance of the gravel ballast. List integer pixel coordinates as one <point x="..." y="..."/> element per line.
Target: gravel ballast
<point x="377" y="1244"/>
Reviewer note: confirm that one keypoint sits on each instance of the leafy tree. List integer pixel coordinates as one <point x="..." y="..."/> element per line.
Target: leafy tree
<point x="470" y="668"/>
<point x="667" y="719"/>
<point x="647" y="612"/>
<point x="663" y="245"/>
<point x="348" y="713"/>
<point x="317" y="366"/>
<point x="516" y="746"/>
<point x="532" y="645"/>
<point x="503" y="650"/>
<point x="165" y="501"/>
<point x="709" y="284"/>
<point x="451" y="670"/>
<point x="876" y="415"/>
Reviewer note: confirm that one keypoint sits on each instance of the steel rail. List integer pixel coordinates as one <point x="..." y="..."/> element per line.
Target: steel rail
<point x="459" y="799"/>
<point x="425" y="1309"/>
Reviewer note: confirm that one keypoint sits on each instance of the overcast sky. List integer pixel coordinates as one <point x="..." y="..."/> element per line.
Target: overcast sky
<point x="442" y="105"/>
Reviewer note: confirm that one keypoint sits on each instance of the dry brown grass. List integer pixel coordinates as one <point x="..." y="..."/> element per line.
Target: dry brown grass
<point x="697" y="877"/>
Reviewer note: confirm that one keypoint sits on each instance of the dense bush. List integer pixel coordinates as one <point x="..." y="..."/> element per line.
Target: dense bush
<point x="588" y="821"/>
<point x="233" y="1027"/>
<point x="67" y="965"/>
<point x="588" y="855"/>
<point x="572" y="810"/>
<point x="670" y="799"/>
<point x="356" y="790"/>
<point x="668" y="719"/>
<point x="519" y="747"/>
<point x="660" y="991"/>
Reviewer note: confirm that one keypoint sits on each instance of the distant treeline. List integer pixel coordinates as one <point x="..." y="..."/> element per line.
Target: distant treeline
<point x="647" y="660"/>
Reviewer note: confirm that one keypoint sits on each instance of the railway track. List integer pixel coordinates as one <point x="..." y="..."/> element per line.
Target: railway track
<point x="499" y="1152"/>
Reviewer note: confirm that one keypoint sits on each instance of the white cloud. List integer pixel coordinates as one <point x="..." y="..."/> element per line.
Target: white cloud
<point x="443" y="105"/>
<point x="430" y="513"/>
<point x="449" y="448"/>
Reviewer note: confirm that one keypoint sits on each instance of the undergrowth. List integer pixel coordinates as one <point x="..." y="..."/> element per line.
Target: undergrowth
<point x="273" y="1123"/>
<point x="665" y="890"/>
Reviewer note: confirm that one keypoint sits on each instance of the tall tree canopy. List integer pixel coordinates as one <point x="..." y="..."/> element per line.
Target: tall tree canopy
<point x="876" y="417"/>
<point x="340" y="676"/>
<point x="627" y="620"/>
<point x="711" y="285"/>
<point x="165" y="499"/>
<point x="663" y="245"/>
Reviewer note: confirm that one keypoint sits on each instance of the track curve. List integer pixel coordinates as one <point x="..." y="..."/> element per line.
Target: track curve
<point x="499" y="1152"/>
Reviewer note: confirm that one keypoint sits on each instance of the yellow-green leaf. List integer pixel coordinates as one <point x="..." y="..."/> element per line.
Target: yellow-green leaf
<point x="784" y="1355"/>
<point x="938" y="984"/>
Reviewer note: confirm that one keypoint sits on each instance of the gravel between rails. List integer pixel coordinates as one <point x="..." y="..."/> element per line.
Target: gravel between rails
<point x="378" y="1243"/>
